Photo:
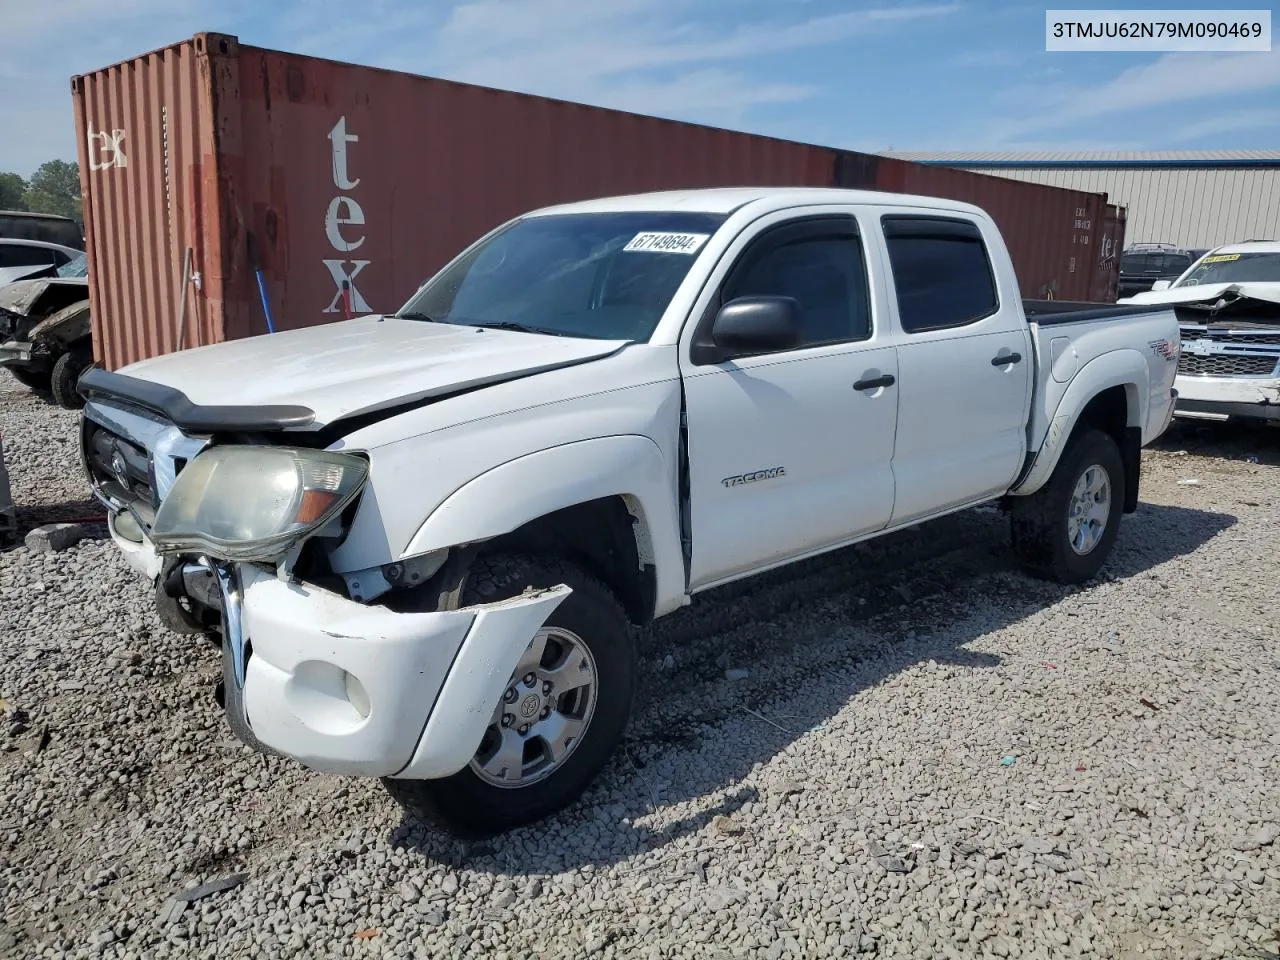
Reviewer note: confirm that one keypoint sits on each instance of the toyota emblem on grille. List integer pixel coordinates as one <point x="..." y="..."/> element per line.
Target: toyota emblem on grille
<point x="120" y="467"/>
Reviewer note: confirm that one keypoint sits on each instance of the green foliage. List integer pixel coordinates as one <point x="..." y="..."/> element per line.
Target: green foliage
<point x="55" y="188"/>
<point x="13" y="192"/>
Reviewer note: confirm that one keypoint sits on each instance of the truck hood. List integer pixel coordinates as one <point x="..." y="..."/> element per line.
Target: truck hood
<point x="360" y="366"/>
<point x="1208" y="293"/>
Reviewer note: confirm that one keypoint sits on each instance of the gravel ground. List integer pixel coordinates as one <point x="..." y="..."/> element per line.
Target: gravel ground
<point x="930" y="755"/>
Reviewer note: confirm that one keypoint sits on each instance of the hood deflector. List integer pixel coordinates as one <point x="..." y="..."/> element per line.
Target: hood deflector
<point x="173" y="404"/>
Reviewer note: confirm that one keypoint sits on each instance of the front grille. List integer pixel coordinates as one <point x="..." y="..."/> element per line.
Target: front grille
<point x="1247" y="339"/>
<point x="1226" y="365"/>
<point x="120" y="469"/>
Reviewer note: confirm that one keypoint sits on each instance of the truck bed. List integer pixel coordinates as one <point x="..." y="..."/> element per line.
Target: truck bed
<point x="1054" y="312"/>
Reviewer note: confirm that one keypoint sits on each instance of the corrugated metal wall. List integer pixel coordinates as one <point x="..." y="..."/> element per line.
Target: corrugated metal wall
<point x="144" y="129"/>
<point x="1197" y="207"/>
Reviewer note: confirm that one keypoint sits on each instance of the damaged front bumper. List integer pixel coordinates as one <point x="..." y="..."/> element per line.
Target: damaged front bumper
<point x="1219" y="398"/>
<point x="362" y="690"/>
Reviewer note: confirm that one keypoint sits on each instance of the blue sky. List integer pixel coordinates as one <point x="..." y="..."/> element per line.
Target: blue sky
<point x="914" y="75"/>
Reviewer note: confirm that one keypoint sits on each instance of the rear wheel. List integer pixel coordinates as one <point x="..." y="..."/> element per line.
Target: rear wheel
<point x="1065" y="530"/>
<point x="66" y="373"/>
<point x="561" y="716"/>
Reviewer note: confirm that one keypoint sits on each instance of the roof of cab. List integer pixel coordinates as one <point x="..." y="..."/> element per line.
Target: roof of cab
<point x="1249" y="246"/>
<point x="726" y="200"/>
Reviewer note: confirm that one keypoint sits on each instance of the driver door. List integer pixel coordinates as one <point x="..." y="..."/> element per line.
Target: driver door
<point x="791" y="451"/>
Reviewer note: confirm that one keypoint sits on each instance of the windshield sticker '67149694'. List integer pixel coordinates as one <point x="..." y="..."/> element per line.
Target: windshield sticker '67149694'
<point x="686" y="243"/>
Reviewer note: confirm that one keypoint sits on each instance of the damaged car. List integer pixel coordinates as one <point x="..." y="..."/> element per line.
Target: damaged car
<point x="45" y="332"/>
<point x="1228" y="307"/>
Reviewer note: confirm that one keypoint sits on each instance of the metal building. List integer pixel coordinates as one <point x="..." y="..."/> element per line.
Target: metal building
<point x="1194" y="198"/>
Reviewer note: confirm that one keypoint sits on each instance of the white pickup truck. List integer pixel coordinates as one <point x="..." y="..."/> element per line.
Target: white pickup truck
<point x="423" y="539"/>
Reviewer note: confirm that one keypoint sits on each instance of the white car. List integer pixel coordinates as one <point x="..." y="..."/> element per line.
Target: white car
<point x="21" y="258"/>
<point x="1228" y="305"/>
<point x="424" y="538"/>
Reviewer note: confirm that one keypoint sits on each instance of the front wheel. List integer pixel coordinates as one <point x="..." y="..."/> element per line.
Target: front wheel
<point x="66" y="373"/>
<point x="1066" y="529"/>
<point x="561" y="716"/>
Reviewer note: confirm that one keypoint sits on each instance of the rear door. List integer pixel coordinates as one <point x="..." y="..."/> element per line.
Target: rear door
<point x="965" y="362"/>
<point x="790" y="451"/>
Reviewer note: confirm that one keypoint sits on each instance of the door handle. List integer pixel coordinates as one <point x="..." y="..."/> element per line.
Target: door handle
<point x="1006" y="358"/>
<point x="875" y="382"/>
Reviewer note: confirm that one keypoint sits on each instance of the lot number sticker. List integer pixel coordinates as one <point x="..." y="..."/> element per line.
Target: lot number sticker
<point x="1222" y="258"/>
<point x="686" y="243"/>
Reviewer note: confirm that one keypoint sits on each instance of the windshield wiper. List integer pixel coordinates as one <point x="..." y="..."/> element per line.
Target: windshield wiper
<point x="520" y="327"/>
<point x="417" y="315"/>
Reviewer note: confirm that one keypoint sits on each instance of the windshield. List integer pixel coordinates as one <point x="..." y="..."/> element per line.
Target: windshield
<point x="79" y="267"/>
<point x="606" y="276"/>
<point x="1235" y="268"/>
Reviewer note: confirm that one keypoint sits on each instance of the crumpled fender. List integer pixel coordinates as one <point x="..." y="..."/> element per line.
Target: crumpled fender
<point x="65" y="327"/>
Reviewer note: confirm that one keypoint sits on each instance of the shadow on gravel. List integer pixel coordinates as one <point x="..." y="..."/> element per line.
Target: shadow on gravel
<point x="818" y="633"/>
<point x="1231" y="441"/>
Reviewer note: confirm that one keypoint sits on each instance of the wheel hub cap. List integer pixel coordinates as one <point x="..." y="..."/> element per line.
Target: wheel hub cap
<point x="543" y="712"/>
<point x="1089" y="509"/>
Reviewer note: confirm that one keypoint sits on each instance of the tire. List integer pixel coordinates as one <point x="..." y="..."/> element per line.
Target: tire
<point x="1041" y="522"/>
<point x="66" y="372"/>
<point x="34" y="378"/>
<point x="467" y="803"/>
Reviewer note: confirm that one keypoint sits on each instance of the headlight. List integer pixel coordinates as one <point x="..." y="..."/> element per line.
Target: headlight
<point x="254" y="503"/>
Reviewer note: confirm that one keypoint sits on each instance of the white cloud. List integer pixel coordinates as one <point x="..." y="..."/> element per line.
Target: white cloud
<point x="1174" y="78"/>
<point x="1218" y="124"/>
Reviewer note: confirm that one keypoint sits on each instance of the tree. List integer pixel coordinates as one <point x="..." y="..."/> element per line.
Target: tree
<point x="55" y="188"/>
<point x="13" y="192"/>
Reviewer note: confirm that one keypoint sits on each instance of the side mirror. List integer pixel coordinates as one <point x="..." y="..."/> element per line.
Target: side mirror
<point x="757" y="325"/>
<point x="1161" y="285"/>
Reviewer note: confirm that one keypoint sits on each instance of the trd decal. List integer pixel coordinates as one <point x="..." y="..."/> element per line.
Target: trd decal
<point x="771" y="474"/>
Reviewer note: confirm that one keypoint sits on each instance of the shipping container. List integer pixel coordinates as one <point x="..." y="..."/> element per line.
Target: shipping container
<point x="229" y="189"/>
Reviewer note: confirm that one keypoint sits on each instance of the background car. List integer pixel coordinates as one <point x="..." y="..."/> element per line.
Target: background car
<point x="45" y="330"/>
<point x="1143" y="265"/>
<point x="20" y="259"/>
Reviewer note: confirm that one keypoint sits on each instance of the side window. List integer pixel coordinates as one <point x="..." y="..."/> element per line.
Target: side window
<point x="21" y="255"/>
<point x="827" y="277"/>
<point x="941" y="272"/>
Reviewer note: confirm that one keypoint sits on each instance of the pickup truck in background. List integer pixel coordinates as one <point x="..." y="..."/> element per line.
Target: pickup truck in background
<point x="1228" y="307"/>
<point x="423" y="540"/>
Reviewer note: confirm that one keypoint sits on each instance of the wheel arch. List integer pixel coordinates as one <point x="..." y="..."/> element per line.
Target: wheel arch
<point x="1109" y="393"/>
<point x="612" y="508"/>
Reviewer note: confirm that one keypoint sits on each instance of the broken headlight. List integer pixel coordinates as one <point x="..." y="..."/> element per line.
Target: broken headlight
<point x="255" y="503"/>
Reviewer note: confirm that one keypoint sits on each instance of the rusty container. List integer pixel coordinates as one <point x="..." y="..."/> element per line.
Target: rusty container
<point x="1106" y="278"/>
<point x="229" y="189"/>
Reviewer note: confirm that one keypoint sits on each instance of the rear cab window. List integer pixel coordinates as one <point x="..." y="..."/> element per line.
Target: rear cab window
<point x="942" y="273"/>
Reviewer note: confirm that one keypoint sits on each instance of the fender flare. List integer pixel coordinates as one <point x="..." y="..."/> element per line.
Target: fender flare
<point x="506" y="497"/>
<point x="1118" y="368"/>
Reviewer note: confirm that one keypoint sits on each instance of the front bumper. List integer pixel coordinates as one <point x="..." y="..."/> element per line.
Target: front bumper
<point x="1217" y="398"/>
<point x="361" y="690"/>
